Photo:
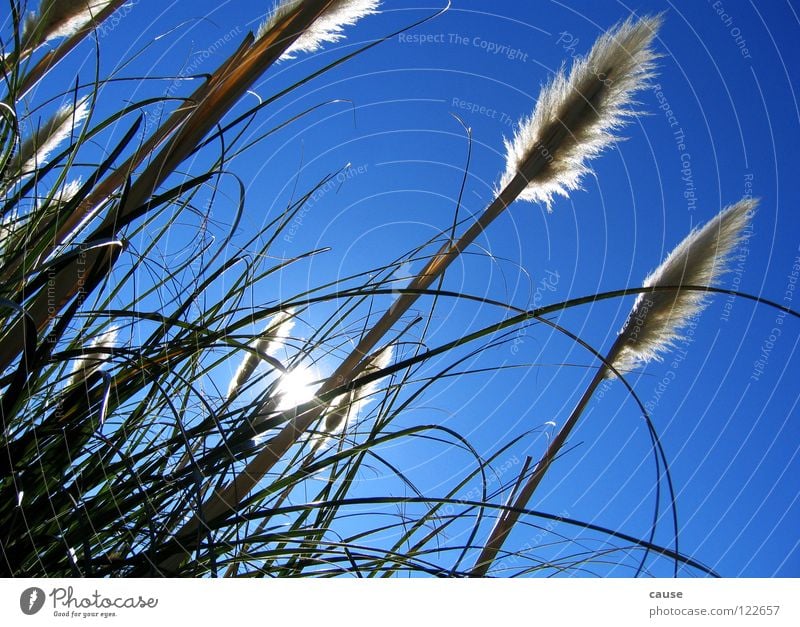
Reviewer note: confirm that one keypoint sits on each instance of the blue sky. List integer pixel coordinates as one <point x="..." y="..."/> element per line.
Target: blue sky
<point x="721" y="122"/>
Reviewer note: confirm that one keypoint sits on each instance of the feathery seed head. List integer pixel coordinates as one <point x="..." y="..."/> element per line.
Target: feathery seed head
<point x="656" y="320"/>
<point x="61" y="18"/>
<point x="274" y="336"/>
<point x="94" y="358"/>
<point x="576" y="115"/>
<point x="327" y="28"/>
<point x="68" y="190"/>
<point x="277" y="331"/>
<point x="35" y="150"/>
<point x="350" y="404"/>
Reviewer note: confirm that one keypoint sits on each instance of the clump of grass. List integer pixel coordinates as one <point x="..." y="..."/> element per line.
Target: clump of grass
<point x="126" y="456"/>
<point x="589" y="115"/>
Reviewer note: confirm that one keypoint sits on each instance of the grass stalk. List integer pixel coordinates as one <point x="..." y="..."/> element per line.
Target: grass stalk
<point x="506" y="522"/>
<point x="227" y="499"/>
<point x="652" y="327"/>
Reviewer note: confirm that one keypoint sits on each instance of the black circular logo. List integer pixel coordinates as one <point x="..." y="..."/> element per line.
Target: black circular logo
<point x="31" y="600"/>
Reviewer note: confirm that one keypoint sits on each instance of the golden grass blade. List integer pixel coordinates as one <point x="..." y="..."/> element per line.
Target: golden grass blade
<point x="218" y="100"/>
<point x="116" y="180"/>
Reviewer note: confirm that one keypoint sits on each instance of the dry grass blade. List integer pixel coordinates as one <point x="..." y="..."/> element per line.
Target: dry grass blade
<point x="218" y="99"/>
<point x="115" y="180"/>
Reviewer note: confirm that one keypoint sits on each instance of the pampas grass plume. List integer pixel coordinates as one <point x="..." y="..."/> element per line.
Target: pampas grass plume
<point x="576" y="114"/>
<point x="657" y="318"/>
<point x="327" y="28"/>
<point x="61" y="18"/>
<point x="35" y="150"/>
<point x="274" y="336"/>
<point x="94" y="357"/>
<point x="350" y="404"/>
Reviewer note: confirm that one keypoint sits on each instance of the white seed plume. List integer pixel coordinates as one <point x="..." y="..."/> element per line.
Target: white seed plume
<point x="9" y="224"/>
<point x="350" y="404"/>
<point x="327" y="28"/>
<point x="576" y="115"/>
<point x="657" y="318"/>
<point x="93" y="358"/>
<point x="61" y="18"/>
<point x="62" y="197"/>
<point x="59" y="198"/>
<point x="63" y="194"/>
<point x="68" y="190"/>
<point x="274" y="336"/>
<point x="35" y="150"/>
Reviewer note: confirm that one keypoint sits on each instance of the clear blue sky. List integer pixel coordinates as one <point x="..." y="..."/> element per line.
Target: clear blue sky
<point x="729" y="74"/>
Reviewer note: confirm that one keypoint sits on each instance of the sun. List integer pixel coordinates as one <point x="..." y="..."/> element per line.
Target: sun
<point x="296" y="387"/>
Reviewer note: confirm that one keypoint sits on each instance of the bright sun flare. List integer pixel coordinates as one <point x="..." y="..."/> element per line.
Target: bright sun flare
<point x="296" y="387"/>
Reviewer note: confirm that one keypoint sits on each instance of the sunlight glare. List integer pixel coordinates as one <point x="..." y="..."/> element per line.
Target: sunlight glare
<point x="296" y="387"/>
